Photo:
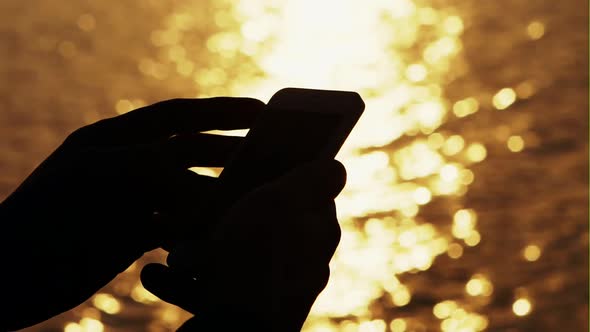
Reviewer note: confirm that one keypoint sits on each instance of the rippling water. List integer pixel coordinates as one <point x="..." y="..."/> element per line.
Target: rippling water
<point x="465" y="208"/>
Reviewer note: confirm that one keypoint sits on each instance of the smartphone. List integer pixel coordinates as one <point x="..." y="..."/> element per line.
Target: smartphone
<point x="297" y="126"/>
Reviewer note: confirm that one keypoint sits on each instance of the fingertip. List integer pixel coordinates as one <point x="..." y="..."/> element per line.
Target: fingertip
<point x="241" y="102"/>
<point x="151" y="271"/>
<point x="253" y="102"/>
<point x="338" y="173"/>
<point x="185" y="257"/>
<point x="332" y="174"/>
<point x="170" y="286"/>
<point x="153" y="276"/>
<point x="317" y="181"/>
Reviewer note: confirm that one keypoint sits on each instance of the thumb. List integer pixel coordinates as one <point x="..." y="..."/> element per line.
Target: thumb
<point x="305" y="186"/>
<point x="322" y="177"/>
<point x="171" y="286"/>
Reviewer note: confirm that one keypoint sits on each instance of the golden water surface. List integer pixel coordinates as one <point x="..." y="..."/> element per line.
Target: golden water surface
<point x="466" y="203"/>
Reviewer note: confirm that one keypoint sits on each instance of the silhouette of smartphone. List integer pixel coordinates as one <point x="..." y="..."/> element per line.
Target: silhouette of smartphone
<point x="297" y="126"/>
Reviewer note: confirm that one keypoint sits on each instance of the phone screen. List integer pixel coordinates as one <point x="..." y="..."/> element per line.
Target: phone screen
<point x="280" y="141"/>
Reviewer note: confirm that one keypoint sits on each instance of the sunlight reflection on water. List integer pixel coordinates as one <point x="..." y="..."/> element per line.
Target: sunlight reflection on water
<point x="423" y="247"/>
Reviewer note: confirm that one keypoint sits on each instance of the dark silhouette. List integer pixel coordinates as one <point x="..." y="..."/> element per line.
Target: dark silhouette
<point x="120" y="187"/>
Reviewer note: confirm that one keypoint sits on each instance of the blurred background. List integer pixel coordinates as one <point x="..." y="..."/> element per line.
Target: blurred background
<point x="466" y="206"/>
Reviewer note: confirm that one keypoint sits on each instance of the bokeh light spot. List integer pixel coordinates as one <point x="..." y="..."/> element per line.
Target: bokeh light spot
<point x="531" y="252"/>
<point x="515" y="143"/>
<point x="476" y="152"/>
<point x="504" y="98"/>
<point x="535" y="30"/>
<point x="455" y="250"/>
<point x="398" y="325"/>
<point x="86" y="22"/>
<point x="521" y="307"/>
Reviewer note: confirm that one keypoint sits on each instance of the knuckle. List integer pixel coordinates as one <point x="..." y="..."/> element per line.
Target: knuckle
<point x="268" y="195"/>
<point x="87" y="133"/>
<point x="172" y="103"/>
<point x="323" y="278"/>
<point x="336" y="234"/>
<point x="333" y="232"/>
<point x="79" y="135"/>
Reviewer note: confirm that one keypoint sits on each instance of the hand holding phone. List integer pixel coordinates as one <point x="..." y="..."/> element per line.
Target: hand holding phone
<point x="298" y="126"/>
<point x="268" y="257"/>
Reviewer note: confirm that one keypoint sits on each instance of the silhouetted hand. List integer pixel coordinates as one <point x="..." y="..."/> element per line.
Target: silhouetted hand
<point x="87" y="212"/>
<point x="267" y="260"/>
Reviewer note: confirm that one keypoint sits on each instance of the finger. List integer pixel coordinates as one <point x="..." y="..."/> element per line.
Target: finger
<point x="175" y="116"/>
<point x="192" y="325"/>
<point x="144" y="171"/>
<point x="171" y="286"/>
<point x="203" y="150"/>
<point x="305" y="186"/>
<point x="182" y="188"/>
<point x="183" y="257"/>
<point x="299" y="294"/>
<point x="310" y="238"/>
<point x="308" y="244"/>
<point x="188" y="205"/>
<point x="188" y="256"/>
<point x="314" y="181"/>
<point x="162" y="184"/>
<point x="321" y="231"/>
